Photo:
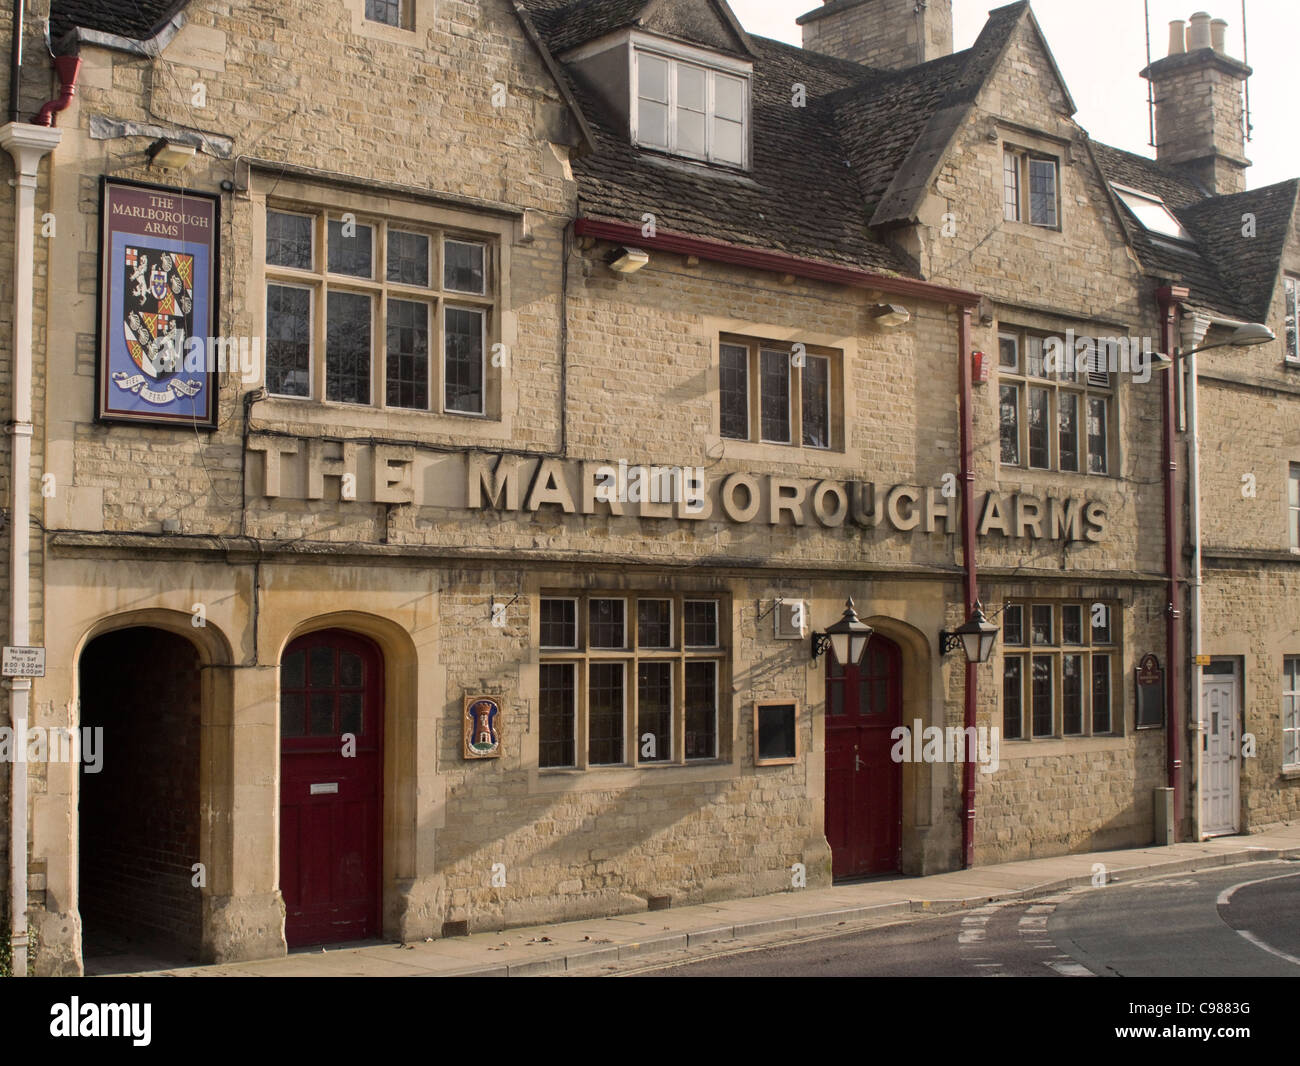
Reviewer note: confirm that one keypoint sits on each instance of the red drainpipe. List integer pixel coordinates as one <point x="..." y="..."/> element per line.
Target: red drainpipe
<point x="1169" y="298"/>
<point x="968" y="553"/>
<point x="67" y="68"/>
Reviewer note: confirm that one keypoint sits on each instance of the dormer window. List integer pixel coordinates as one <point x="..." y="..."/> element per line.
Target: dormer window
<point x="689" y="108"/>
<point x="1152" y="214"/>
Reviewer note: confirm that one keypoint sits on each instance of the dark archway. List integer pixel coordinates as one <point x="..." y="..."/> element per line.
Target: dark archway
<point x="139" y="820"/>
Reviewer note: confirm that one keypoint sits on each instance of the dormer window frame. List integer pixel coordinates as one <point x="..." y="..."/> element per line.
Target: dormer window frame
<point x="1123" y="193"/>
<point x="714" y="66"/>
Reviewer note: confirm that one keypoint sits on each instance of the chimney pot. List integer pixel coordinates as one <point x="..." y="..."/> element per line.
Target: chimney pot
<point x="1177" y="37"/>
<point x="1219" y="35"/>
<point x="1198" y="34"/>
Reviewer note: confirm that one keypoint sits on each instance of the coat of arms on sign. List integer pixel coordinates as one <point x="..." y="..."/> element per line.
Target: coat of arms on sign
<point x="482" y="722"/>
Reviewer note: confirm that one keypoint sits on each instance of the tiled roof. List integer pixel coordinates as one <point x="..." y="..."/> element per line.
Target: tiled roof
<point x="137" y="19"/>
<point x="1225" y="271"/>
<point x="565" y="23"/>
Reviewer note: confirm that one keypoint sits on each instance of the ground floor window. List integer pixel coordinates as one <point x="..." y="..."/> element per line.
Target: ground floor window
<point x="630" y="679"/>
<point x="1059" y="670"/>
<point x="1291" y="712"/>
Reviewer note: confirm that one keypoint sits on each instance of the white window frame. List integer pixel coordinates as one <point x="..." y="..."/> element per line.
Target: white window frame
<point x="577" y="638"/>
<point x="713" y="65"/>
<point x="1291" y="712"/>
<point x="1293" y="505"/>
<point x="1139" y="203"/>
<point x="1291" y="312"/>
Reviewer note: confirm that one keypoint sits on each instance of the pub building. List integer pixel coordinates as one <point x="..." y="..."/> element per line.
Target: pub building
<point x="526" y="460"/>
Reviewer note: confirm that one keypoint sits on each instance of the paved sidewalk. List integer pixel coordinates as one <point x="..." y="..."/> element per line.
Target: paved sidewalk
<point x="562" y="946"/>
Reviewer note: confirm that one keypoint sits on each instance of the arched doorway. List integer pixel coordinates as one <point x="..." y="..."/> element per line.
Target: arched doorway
<point x="331" y="787"/>
<point x="138" y="805"/>
<point x="864" y="785"/>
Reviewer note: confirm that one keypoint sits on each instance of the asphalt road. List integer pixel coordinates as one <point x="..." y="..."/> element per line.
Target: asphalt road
<point x="1218" y="922"/>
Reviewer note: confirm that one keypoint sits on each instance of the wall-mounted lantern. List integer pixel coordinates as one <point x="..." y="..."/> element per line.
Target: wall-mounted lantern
<point x="976" y="637"/>
<point x="847" y="638"/>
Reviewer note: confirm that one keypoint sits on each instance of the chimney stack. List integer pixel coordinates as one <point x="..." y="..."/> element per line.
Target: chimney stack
<point x="1200" y="120"/>
<point x="885" y="34"/>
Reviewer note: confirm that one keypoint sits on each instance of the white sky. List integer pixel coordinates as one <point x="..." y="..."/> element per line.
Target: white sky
<point x="1100" y="46"/>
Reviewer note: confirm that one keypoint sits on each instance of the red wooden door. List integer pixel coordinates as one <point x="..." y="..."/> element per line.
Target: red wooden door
<point x="864" y="800"/>
<point x="331" y="797"/>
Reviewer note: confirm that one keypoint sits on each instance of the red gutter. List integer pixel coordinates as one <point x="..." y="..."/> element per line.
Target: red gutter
<point x="776" y="262"/>
<point x="67" y="68"/>
<point x="1169" y="299"/>
<point x="968" y="557"/>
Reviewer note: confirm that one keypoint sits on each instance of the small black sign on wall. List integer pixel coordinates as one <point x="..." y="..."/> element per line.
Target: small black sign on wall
<point x="1150" y="689"/>
<point x="776" y="732"/>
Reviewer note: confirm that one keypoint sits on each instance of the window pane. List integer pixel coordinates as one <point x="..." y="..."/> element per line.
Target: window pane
<point x="1097" y="463"/>
<point x="692" y="89"/>
<point x="652" y="124"/>
<point x="1040" y="446"/>
<point x="733" y="391"/>
<point x="605" y="624"/>
<point x="408" y="258"/>
<point x="701" y="620"/>
<point x="1013" y="625"/>
<point x="1008" y="353"/>
<point x="816" y="402"/>
<point x="1040" y="623"/>
<point x="463" y="360"/>
<point x="352" y="253"/>
<point x="729" y="98"/>
<point x="293" y="670"/>
<point x="1101" y="694"/>
<point x="350" y="713"/>
<point x="690" y="133"/>
<point x="1294" y="504"/>
<point x="389" y="12"/>
<point x="605" y="713"/>
<point x="728" y="142"/>
<point x="321" y="666"/>
<point x="701" y="710"/>
<point x="288" y="341"/>
<point x="1042" y="695"/>
<point x="1067" y="421"/>
<point x="321" y="723"/>
<point x="653" y="78"/>
<point x="654" y="623"/>
<point x="1072" y="694"/>
<point x="288" y="240"/>
<point x="347" y="348"/>
<point x="1035" y="360"/>
<point x="293" y="710"/>
<point x="1099" y="616"/>
<point x="349" y="669"/>
<point x="1012" y="677"/>
<point x="463" y="266"/>
<point x="555" y="714"/>
<point x="654" y="702"/>
<point x="408" y="354"/>
<point x="559" y="623"/>
<point x="1292" y="311"/>
<point x="1010" y="187"/>
<point x="775" y="400"/>
<point x="1009" y="406"/>
<point x="1071" y="624"/>
<point x="1042" y="192"/>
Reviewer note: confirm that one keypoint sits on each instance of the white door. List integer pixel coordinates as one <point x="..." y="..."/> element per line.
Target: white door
<point x="1220" y="748"/>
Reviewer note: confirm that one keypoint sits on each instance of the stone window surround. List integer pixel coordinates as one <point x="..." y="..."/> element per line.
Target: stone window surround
<point x="418" y="22"/>
<point x="1291" y="312"/>
<point x="710" y="331"/>
<point x="305" y="195"/>
<point x="1056" y="647"/>
<point x="1020" y="378"/>
<point x="1037" y="144"/>
<point x="678" y="655"/>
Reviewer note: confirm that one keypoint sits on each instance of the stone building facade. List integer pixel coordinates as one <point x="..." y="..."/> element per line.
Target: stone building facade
<point x="577" y="400"/>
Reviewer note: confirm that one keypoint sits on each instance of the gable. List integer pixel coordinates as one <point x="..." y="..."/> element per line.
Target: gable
<point x="701" y="23"/>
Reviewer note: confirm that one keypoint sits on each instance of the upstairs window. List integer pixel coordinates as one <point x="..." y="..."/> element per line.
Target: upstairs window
<point x="1293" y="505"/>
<point x="690" y="109"/>
<point x="1029" y="188"/>
<point x="390" y="12"/>
<point x="779" y="393"/>
<point x="1292" y="321"/>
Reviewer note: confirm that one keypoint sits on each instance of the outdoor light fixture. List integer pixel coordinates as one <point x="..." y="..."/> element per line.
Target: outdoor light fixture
<point x="976" y="637"/>
<point x="628" y="260"/>
<point x="170" y="155"/>
<point x="847" y="638"/>
<point x="1247" y="336"/>
<point x="891" y="315"/>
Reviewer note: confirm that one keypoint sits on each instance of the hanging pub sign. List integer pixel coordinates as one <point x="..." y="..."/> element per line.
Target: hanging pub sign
<point x="157" y="305"/>
<point x="1150" y="690"/>
<point x="482" y="723"/>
